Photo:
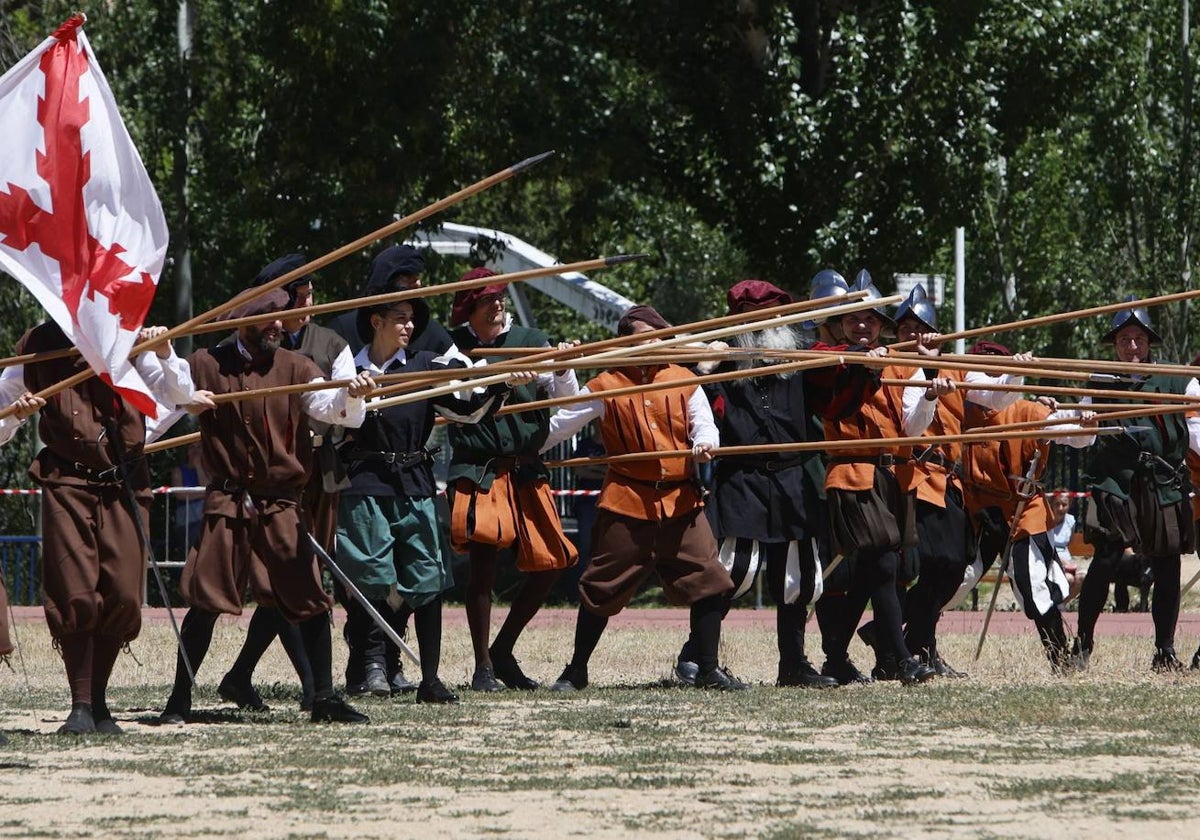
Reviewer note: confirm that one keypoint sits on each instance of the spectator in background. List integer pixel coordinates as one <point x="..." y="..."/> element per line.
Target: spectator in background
<point x="1062" y="528"/>
<point x="189" y="506"/>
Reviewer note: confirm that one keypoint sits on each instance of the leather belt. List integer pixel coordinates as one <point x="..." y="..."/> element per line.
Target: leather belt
<point x="768" y="464"/>
<point x="507" y="462"/>
<point x="109" y="475"/>
<point x="662" y="484"/>
<point x="403" y="459"/>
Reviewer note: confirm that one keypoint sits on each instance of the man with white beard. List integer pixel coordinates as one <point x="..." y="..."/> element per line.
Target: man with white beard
<point x="766" y="509"/>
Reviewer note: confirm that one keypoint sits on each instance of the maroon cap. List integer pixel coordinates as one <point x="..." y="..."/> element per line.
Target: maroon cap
<point x="645" y="314"/>
<point x="755" y="293"/>
<point x="989" y="348"/>
<point x="464" y="301"/>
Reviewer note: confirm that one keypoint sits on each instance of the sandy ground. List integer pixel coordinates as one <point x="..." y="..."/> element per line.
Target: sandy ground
<point x="213" y="780"/>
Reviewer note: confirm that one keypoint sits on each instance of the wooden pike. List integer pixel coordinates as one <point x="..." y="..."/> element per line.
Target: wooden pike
<point x="823" y="445"/>
<point x="170" y="443"/>
<point x="596" y="264"/>
<point x="1096" y="365"/>
<point x="1042" y="320"/>
<point x="1047" y="390"/>
<point x="619" y="354"/>
<point x="633" y="389"/>
<point x="1103" y="407"/>
<point x="456" y="374"/>
<point x="756" y="315"/>
<point x="925" y="361"/>
<point x="1120" y="412"/>
<point x="765" y="370"/>
<point x="415" y="381"/>
<point x="755" y="326"/>
<point x="158" y="446"/>
<point x="993" y="364"/>
<point x="35" y="358"/>
<point x="307" y="268"/>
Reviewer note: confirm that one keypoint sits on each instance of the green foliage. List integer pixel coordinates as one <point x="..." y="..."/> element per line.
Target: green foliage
<point x="762" y="138"/>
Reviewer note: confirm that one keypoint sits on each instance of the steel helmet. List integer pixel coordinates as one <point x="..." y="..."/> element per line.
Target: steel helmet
<point x="1136" y="316"/>
<point x="825" y="283"/>
<point x="862" y="283"/>
<point x="919" y="306"/>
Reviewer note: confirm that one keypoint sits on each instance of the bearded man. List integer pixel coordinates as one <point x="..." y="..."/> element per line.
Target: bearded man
<point x="767" y="511"/>
<point x="258" y="452"/>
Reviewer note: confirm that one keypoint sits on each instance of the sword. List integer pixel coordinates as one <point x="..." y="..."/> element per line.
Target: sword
<point x="1026" y="489"/>
<point x="379" y="620"/>
<point x="119" y="447"/>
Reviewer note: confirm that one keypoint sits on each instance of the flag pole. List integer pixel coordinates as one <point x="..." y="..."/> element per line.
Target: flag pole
<point x="307" y="268"/>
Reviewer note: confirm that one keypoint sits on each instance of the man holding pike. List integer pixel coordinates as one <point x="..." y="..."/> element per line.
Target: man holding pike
<point x="767" y="510"/>
<point x="258" y="452"/>
<point x="945" y="539"/>
<point x="870" y="501"/>
<point x="500" y="490"/>
<point x="651" y="512"/>
<point x="93" y="546"/>
<point x="1140" y="489"/>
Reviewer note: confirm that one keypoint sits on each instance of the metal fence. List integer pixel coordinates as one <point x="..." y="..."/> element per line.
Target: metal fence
<point x="20" y="568"/>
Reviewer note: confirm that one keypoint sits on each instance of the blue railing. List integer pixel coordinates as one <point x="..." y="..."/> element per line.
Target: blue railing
<point x="21" y="569"/>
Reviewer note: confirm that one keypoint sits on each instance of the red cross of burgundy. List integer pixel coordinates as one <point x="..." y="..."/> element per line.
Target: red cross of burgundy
<point x="61" y="232"/>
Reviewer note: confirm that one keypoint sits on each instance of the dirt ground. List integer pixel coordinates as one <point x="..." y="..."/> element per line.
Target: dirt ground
<point x="1011" y="751"/>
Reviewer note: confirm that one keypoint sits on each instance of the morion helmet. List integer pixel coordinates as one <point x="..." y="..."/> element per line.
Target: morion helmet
<point x="862" y="283"/>
<point x="1138" y="317"/>
<point x="918" y="306"/>
<point x="825" y="283"/>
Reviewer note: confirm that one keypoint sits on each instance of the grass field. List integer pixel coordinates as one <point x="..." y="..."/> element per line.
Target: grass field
<point x="1009" y="752"/>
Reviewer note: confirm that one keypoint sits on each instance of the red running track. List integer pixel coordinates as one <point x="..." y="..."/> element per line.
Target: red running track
<point x="957" y="621"/>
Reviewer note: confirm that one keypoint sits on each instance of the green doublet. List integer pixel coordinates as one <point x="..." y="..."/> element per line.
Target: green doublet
<point x="1157" y="447"/>
<point x="518" y="435"/>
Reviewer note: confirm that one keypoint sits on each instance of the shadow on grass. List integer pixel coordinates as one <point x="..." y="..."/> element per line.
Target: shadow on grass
<point x="213" y="716"/>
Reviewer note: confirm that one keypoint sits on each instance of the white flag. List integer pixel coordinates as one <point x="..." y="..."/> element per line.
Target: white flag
<point x="80" y="224"/>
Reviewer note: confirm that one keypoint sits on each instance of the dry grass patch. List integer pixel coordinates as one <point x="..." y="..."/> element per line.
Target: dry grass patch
<point x="1010" y="752"/>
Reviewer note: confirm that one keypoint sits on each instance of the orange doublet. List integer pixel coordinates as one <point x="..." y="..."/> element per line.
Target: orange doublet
<point x="653" y="421"/>
<point x="991" y="467"/>
<point x="881" y="416"/>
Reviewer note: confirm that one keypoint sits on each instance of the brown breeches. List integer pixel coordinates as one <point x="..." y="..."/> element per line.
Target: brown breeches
<point x="626" y="551"/>
<point x="321" y="508"/>
<point x="267" y="548"/>
<point x="93" y="560"/>
<point x="512" y="513"/>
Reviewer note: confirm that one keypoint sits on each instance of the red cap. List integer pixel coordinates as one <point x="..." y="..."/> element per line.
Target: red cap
<point x="989" y="348"/>
<point x="755" y="293"/>
<point x="464" y="301"/>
